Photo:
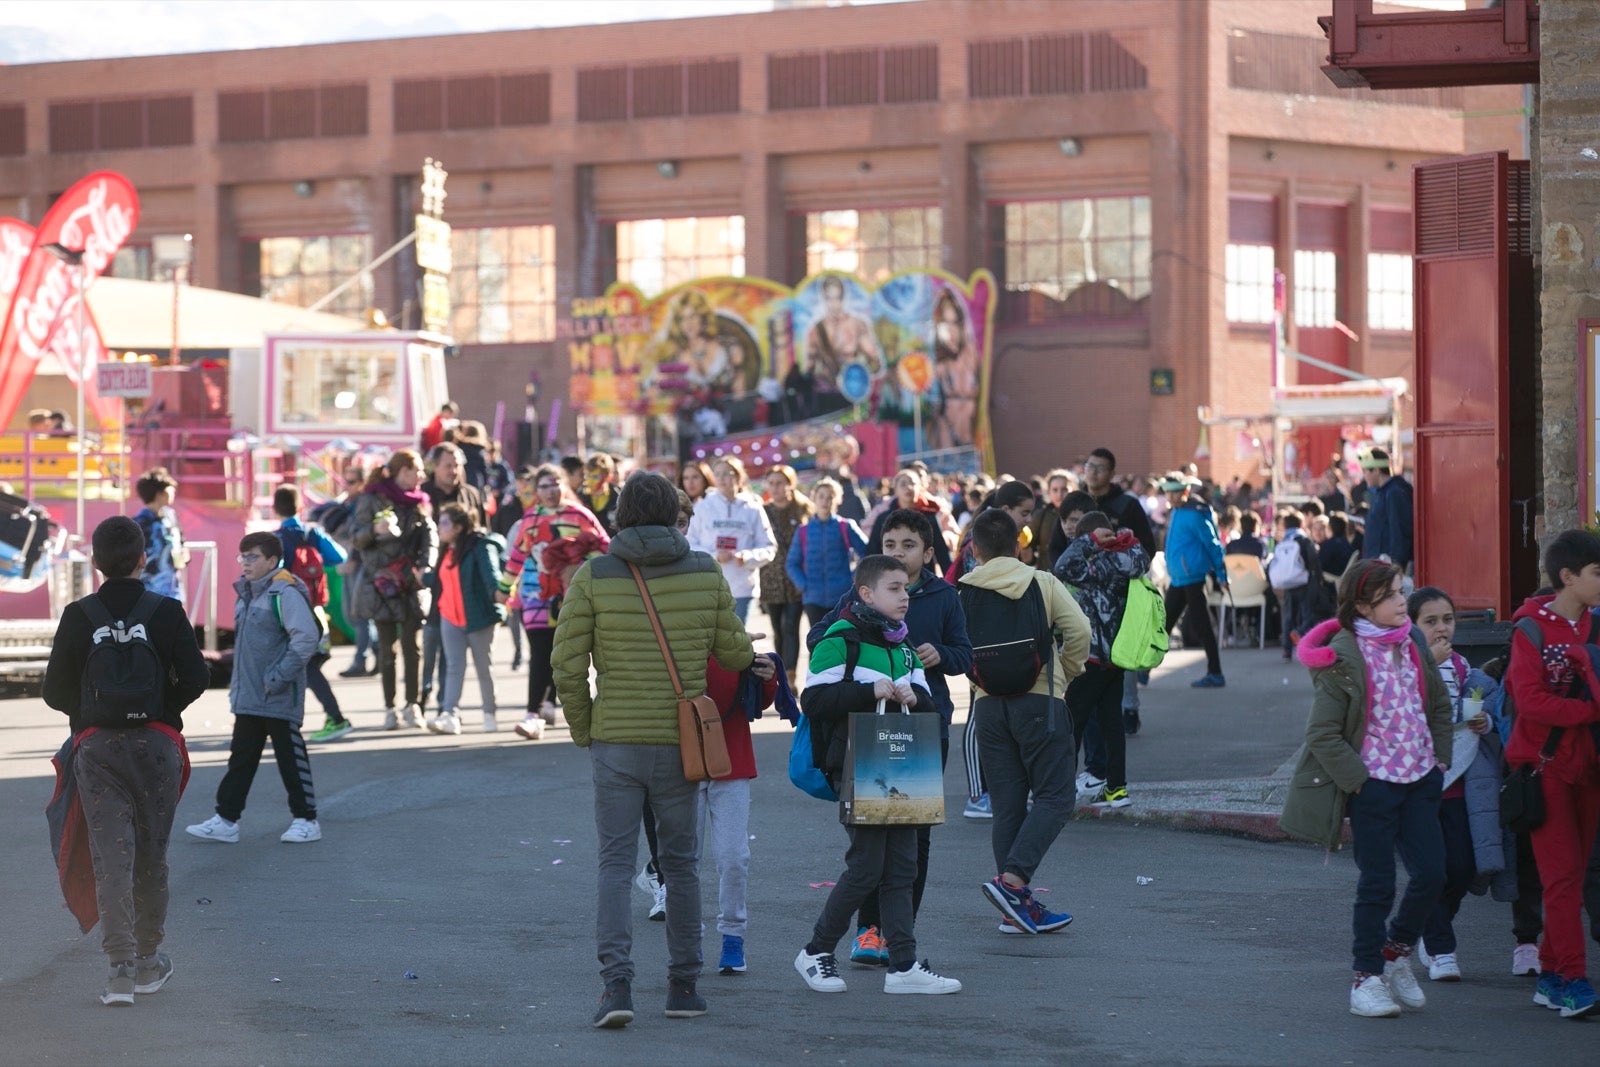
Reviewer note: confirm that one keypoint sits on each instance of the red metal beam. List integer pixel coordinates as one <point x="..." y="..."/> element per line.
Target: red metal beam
<point x="1411" y="50"/>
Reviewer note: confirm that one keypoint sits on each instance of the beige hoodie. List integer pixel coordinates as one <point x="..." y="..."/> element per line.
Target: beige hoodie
<point x="1010" y="578"/>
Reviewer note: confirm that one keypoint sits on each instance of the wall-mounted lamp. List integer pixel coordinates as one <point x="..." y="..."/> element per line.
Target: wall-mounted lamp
<point x="667" y="168"/>
<point x="864" y="166"/>
<point x="303" y="189"/>
<point x="1269" y="155"/>
<point x="1070" y="146"/>
<point x="486" y="186"/>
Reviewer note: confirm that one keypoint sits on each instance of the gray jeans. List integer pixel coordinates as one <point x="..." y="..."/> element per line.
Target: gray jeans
<point x="625" y="776"/>
<point x="1020" y="754"/>
<point x="128" y="784"/>
<point x="457" y="640"/>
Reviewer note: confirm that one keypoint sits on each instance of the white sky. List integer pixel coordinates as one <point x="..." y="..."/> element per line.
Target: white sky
<point x="33" y="31"/>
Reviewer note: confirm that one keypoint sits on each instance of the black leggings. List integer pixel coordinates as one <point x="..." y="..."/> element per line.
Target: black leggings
<point x="541" y="680"/>
<point x="785" y="632"/>
<point x="1096" y="696"/>
<point x="869" y="915"/>
<point x="1192" y="598"/>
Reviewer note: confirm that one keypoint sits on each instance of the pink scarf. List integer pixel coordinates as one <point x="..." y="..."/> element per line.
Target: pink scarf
<point x="1370" y="631"/>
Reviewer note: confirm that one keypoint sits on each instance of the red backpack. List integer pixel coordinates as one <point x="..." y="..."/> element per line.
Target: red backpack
<point x="305" y="563"/>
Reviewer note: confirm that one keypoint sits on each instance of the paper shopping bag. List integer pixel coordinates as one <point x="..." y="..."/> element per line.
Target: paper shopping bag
<point x="892" y="771"/>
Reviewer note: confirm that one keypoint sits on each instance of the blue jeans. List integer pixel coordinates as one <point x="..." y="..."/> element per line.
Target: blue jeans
<point x="366" y="638"/>
<point x="741" y="608"/>
<point x="1386" y="817"/>
<point x="1460" y="865"/>
<point x="432" y="653"/>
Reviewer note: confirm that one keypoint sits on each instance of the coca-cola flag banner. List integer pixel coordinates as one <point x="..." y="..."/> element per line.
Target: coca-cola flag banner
<point x="97" y="215"/>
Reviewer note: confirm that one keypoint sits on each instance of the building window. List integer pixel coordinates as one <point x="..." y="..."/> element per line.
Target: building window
<point x="131" y="261"/>
<point x="503" y="284"/>
<point x="1249" y="270"/>
<point x="1316" y="289"/>
<point x="873" y="245"/>
<point x="1060" y="259"/>
<point x="657" y="254"/>
<point x="302" y="270"/>
<point x="1388" y="291"/>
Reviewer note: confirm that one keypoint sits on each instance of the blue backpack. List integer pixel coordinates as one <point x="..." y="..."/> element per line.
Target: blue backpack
<point x="803" y="771"/>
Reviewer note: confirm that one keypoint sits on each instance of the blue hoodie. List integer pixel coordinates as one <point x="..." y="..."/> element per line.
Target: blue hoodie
<point x="1194" y="549"/>
<point x="934" y="618"/>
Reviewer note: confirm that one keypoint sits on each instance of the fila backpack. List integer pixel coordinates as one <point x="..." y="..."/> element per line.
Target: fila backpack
<point x="124" y="683"/>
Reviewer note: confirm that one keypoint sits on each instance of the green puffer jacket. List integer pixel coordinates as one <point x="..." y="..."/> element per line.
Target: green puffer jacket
<point x="603" y="620"/>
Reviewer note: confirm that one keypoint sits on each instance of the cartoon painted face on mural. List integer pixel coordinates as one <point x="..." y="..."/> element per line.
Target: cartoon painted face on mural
<point x="838" y="338"/>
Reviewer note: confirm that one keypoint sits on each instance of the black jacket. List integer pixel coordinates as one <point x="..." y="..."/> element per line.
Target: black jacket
<point x="169" y="631"/>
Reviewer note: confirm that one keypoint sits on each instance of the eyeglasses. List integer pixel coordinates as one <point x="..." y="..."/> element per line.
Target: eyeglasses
<point x="250" y="557"/>
<point x="1097" y="466"/>
<point x="549" y="485"/>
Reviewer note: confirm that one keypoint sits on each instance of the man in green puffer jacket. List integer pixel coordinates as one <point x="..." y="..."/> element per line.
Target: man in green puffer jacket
<point x="631" y="726"/>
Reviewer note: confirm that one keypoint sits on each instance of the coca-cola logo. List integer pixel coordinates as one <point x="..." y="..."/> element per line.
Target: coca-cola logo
<point x="96" y="215"/>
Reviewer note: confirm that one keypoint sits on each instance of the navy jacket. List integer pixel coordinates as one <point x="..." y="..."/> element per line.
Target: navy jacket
<point x="934" y="618"/>
<point x="1389" y="523"/>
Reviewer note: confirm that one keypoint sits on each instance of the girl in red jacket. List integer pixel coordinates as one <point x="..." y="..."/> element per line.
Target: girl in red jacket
<point x="1553" y="690"/>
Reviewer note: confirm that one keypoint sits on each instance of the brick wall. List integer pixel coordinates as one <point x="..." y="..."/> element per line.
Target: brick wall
<point x="1569" y="224"/>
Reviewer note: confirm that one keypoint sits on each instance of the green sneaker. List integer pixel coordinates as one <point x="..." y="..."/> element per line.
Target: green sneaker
<point x="332" y="730"/>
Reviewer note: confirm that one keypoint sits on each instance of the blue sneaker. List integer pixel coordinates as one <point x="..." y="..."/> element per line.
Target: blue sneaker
<point x="1210" y="681"/>
<point x="869" y="948"/>
<point x="978" y="809"/>
<point x="732" y="961"/>
<point x="1046" y="921"/>
<point x="1014" y="904"/>
<point x="1547" y="994"/>
<point x="1578" y="999"/>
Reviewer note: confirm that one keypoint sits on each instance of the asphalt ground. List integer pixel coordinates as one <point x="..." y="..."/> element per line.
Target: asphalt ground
<point x="468" y="862"/>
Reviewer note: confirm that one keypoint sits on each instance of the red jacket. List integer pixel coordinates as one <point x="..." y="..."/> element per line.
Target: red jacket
<point x="722" y="686"/>
<point x="1536" y="684"/>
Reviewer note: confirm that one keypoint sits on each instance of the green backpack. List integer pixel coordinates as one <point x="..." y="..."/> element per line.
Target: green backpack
<point x="1141" y="641"/>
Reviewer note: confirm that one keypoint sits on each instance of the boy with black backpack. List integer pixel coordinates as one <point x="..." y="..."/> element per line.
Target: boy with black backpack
<point x="123" y="666"/>
<point x="1016" y="618"/>
<point x="307" y="552"/>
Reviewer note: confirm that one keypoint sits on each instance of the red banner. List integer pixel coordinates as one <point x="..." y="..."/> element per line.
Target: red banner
<point x="97" y="215"/>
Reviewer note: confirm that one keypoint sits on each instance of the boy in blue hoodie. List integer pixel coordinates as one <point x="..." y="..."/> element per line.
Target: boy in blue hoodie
<point x="938" y="633"/>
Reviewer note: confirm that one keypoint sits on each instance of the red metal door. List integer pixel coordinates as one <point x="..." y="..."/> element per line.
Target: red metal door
<point x="1475" y="434"/>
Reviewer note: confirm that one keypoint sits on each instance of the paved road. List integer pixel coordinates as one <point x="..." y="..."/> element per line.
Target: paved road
<point x="468" y="863"/>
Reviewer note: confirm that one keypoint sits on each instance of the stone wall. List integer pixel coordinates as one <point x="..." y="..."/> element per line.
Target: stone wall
<point x="1567" y="169"/>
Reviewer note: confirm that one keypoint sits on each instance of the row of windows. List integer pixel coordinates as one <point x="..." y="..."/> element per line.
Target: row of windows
<point x="1249" y="287"/>
<point x="1079" y="259"/>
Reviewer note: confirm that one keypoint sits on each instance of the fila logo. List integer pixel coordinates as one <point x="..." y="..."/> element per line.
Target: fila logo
<point x="121" y="636"/>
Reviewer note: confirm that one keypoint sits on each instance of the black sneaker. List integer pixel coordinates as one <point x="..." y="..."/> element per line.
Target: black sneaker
<point x="1130" y="721"/>
<point x="682" y="1001"/>
<point x="616" y="1006"/>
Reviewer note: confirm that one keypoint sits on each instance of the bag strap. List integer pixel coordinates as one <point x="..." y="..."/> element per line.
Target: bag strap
<point x="655" y="624"/>
<point x="96" y="610"/>
<point x="144" y="608"/>
<point x="1530" y="629"/>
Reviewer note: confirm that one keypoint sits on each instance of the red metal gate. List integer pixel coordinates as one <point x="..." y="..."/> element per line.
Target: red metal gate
<point x="1475" y="431"/>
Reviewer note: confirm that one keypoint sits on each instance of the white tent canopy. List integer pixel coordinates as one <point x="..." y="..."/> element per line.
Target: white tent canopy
<point x="136" y="314"/>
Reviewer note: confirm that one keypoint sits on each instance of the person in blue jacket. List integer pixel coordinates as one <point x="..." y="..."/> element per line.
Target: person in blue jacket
<point x="937" y="629"/>
<point x="1194" y="553"/>
<point x="1390" y="517"/>
<point x="819" y="559"/>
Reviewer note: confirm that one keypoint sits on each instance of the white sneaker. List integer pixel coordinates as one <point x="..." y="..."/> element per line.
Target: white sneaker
<point x="919" y="979"/>
<point x="647" y="881"/>
<point x="1525" y="960"/>
<point x="1371" y="999"/>
<point x="411" y="716"/>
<point x="1443" y="968"/>
<point x="1089" y="787"/>
<point x="658" y="907"/>
<point x="821" y="972"/>
<point x="490" y="723"/>
<point x="301" y="831"/>
<point x="1402" y="982"/>
<point x="445" y="724"/>
<point x="550" y="713"/>
<point x="531" y="727"/>
<point x="215" y="828"/>
<point x="391" y="721"/>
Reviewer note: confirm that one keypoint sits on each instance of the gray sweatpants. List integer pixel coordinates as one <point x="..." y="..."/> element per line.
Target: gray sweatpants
<point x="128" y="784"/>
<point x="625" y="776"/>
<point x="457" y="640"/>
<point x="726" y="805"/>
<point x="1022" y="753"/>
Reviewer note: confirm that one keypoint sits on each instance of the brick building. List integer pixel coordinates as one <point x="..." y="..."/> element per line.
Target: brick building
<point x="1132" y="171"/>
